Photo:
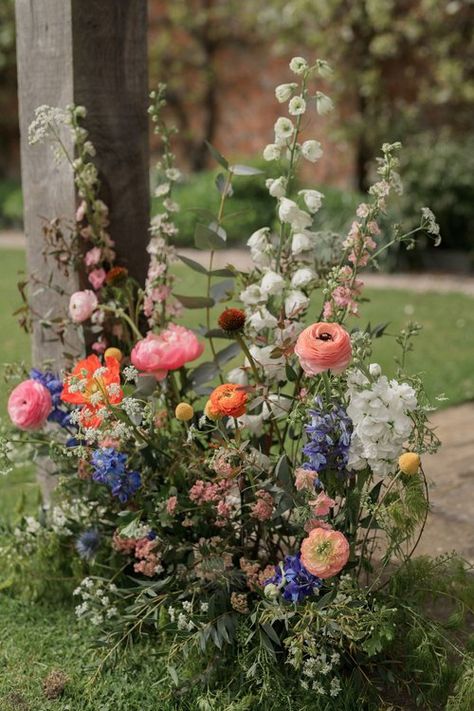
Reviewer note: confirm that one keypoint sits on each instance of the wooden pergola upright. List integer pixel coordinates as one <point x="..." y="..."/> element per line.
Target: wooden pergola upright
<point x="91" y="53"/>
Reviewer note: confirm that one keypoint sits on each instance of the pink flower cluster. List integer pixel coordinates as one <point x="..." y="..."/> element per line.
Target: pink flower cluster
<point x="262" y="509"/>
<point x="256" y="577"/>
<point x="222" y="465"/>
<point x="142" y="548"/>
<point x="96" y="256"/>
<point x="203" y="492"/>
<point x="169" y="350"/>
<point x="344" y="294"/>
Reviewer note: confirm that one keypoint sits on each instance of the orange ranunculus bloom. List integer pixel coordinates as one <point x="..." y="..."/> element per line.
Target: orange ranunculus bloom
<point x="94" y="386"/>
<point x="227" y="399"/>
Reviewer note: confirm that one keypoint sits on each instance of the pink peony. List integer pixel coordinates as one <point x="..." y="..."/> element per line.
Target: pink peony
<point x="97" y="278"/>
<point x="29" y="405"/>
<point x="305" y="478"/>
<point x="324" y="553"/>
<point x="169" y="350"/>
<point x="322" y="504"/>
<point x="324" y="346"/>
<point x="81" y="305"/>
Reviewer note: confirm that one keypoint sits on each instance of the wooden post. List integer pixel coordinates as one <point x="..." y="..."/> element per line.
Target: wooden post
<point x="91" y="53"/>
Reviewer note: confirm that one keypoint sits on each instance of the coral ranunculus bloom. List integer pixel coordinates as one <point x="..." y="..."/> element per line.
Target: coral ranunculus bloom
<point x="227" y="399"/>
<point x="94" y="386"/>
<point x="324" y="346"/>
<point x="324" y="553"/>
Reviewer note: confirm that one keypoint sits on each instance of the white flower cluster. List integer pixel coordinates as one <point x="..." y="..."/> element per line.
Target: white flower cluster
<point x="95" y="603"/>
<point x="379" y="411"/>
<point x="317" y="669"/>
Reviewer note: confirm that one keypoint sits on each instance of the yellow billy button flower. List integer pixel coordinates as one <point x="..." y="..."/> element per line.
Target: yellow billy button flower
<point x="184" y="412"/>
<point x="210" y="413"/>
<point x="114" y="353"/>
<point x="409" y="463"/>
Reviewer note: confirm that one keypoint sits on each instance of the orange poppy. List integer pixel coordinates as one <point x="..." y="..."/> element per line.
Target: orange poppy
<point x="94" y="386"/>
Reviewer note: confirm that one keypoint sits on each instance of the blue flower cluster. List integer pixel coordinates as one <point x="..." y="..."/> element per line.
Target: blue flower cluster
<point x="329" y="437"/>
<point x="294" y="580"/>
<point x="110" y="469"/>
<point x="55" y="387"/>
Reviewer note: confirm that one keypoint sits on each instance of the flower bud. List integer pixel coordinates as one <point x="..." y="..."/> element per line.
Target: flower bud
<point x="409" y="463"/>
<point x="114" y="353"/>
<point x="184" y="412"/>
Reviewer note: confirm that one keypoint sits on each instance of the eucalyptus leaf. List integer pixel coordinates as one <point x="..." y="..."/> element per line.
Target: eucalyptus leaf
<point x="245" y="170"/>
<point x="218" y="157"/>
<point x="192" y="264"/>
<point x="222" y="184"/>
<point x="228" y="353"/>
<point x="146" y="386"/>
<point x="283" y="472"/>
<point x="217" y="333"/>
<point x="194" y="302"/>
<point x="203" y="373"/>
<point x="221" y="290"/>
<point x="212" y="237"/>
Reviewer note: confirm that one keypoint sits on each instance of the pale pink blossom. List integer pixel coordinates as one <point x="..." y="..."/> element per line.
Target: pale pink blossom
<point x="99" y="346"/>
<point x="97" y="278"/>
<point x="29" y="405"/>
<point x="171" y="505"/>
<point x="262" y="509"/>
<point x="305" y="478"/>
<point x="93" y="257"/>
<point x="82" y="304"/>
<point x="322" y="504"/>
<point x="81" y="211"/>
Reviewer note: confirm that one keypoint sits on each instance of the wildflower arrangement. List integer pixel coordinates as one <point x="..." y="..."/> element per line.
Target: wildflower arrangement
<point x="250" y="489"/>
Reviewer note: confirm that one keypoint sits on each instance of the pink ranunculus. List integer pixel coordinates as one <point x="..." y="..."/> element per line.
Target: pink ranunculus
<point x="29" y="405"/>
<point x="322" y="504"/>
<point x="97" y="278"/>
<point x="92" y="257"/>
<point x="305" y="478"/>
<point x="169" y="350"/>
<point x="324" y="346"/>
<point x="82" y="304"/>
<point x="324" y="553"/>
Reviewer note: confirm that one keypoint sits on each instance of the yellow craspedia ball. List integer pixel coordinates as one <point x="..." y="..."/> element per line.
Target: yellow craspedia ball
<point x="409" y="462"/>
<point x="184" y="412"/>
<point x="209" y="412"/>
<point x="114" y="353"/>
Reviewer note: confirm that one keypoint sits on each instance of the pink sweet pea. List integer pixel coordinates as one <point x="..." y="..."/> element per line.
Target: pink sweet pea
<point x="170" y="350"/>
<point x="322" y="504"/>
<point x="82" y="304"/>
<point x="93" y="257"/>
<point x="97" y="278"/>
<point x="29" y="405"/>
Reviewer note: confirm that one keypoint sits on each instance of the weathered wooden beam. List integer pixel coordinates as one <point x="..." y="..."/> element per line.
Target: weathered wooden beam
<point x="91" y="53"/>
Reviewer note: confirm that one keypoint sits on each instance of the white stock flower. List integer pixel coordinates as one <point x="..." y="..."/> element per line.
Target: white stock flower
<point x="295" y="302"/>
<point x="298" y="65"/>
<point x="288" y="211"/>
<point x="311" y="150"/>
<point x="252" y="295"/>
<point x="237" y="376"/>
<point x="261" y="319"/>
<point x="259" y="239"/>
<point x="313" y="199"/>
<point x="274" y="368"/>
<point x="379" y="412"/>
<point x="271" y="152"/>
<point x="302" y="277"/>
<point x="302" y="242"/>
<point x="284" y="129"/>
<point x="276" y="186"/>
<point x="283" y="92"/>
<point x="297" y="106"/>
<point x="323" y="103"/>
<point x="272" y="283"/>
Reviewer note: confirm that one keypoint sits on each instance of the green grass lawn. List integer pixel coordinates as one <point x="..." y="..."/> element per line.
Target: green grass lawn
<point x="37" y="639"/>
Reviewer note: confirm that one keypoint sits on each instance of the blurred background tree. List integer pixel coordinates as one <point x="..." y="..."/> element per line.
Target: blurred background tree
<point x="401" y="66"/>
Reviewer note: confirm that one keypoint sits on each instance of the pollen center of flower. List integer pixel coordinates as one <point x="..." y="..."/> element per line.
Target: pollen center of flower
<point x="324" y="337"/>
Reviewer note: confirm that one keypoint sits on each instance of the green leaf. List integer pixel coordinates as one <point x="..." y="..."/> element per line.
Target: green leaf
<point x="223" y="272"/>
<point x="228" y="353"/>
<point x="217" y="333"/>
<point x="290" y="373"/>
<point x="194" y="265"/>
<point x="221" y="183"/>
<point x="194" y="302"/>
<point x="245" y="170"/>
<point x="212" y="237"/>
<point x="380" y="329"/>
<point x="204" y="373"/>
<point x="174" y="675"/>
<point x="222" y="290"/>
<point x="218" y="157"/>
<point x="283" y="472"/>
<point x="271" y="633"/>
<point x="146" y="386"/>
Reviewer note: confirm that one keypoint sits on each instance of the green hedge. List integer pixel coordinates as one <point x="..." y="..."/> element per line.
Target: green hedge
<point x="11" y="204"/>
